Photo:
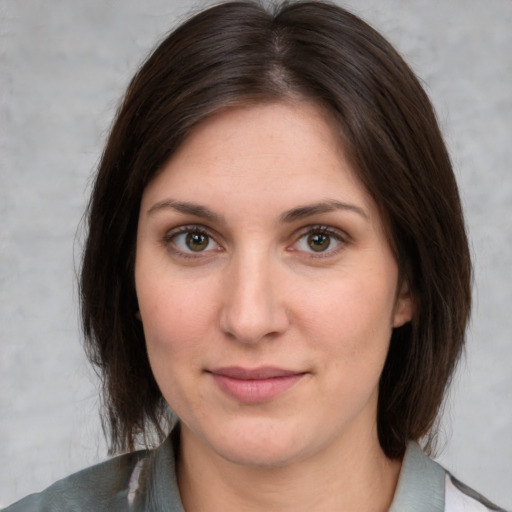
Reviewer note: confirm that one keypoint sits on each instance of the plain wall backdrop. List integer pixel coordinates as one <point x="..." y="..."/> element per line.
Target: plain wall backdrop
<point x="63" y="68"/>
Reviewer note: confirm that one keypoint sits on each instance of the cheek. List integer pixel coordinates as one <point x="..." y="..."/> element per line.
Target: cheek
<point x="178" y="315"/>
<point x="349" y="327"/>
<point x="173" y="316"/>
<point x="175" y="329"/>
<point x="351" y="308"/>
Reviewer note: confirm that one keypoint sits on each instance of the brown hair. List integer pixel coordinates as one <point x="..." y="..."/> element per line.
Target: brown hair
<point x="238" y="52"/>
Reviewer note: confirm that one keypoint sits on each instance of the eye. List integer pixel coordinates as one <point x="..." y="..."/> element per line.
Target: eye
<point x="189" y="240"/>
<point x="320" y="240"/>
<point x="197" y="241"/>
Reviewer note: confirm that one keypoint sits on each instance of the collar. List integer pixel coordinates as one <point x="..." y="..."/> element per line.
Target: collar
<point x="420" y="484"/>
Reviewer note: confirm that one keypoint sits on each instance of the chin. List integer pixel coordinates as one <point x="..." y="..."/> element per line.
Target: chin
<point x="257" y="456"/>
<point x="263" y="444"/>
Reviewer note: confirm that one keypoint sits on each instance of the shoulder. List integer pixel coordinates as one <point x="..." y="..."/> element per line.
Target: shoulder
<point x="425" y="486"/>
<point x="144" y="480"/>
<point x="99" y="488"/>
<point x="461" y="498"/>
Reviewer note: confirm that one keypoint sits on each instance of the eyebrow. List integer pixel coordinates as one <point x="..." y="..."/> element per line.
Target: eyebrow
<point x="308" y="210"/>
<point x="187" y="208"/>
<point x="289" y="216"/>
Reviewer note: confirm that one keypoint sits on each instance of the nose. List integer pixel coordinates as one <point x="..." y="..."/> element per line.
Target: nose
<point x="253" y="307"/>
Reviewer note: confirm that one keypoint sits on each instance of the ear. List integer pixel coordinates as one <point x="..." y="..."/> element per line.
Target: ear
<point x="404" y="305"/>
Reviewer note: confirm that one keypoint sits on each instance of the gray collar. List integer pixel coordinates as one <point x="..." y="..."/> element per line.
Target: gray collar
<point x="420" y="485"/>
<point x="163" y="494"/>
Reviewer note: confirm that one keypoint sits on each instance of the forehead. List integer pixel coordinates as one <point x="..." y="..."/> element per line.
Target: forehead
<point x="254" y="151"/>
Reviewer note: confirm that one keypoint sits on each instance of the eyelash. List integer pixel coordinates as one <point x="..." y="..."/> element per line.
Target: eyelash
<point x="340" y="238"/>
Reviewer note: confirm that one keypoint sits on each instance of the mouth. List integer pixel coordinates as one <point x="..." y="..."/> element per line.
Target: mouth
<point x="257" y="385"/>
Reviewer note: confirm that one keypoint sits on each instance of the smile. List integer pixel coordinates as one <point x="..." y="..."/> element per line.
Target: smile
<point x="253" y="386"/>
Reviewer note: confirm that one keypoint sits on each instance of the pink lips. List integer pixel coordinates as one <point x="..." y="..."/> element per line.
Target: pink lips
<point x="252" y="386"/>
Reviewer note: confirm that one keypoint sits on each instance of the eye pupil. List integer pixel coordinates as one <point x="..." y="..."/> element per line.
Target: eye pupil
<point x="197" y="241"/>
<point x="319" y="241"/>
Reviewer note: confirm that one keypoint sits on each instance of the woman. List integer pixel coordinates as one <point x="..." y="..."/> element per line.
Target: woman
<point x="277" y="253"/>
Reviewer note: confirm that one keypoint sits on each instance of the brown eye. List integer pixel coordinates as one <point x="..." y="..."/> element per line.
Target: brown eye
<point x="319" y="242"/>
<point x="191" y="241"/>
<point x="323" y="241"/>
<point x="197" y="241"/>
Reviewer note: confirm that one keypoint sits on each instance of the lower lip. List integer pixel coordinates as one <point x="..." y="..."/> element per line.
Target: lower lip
<point x="255" y="391"/>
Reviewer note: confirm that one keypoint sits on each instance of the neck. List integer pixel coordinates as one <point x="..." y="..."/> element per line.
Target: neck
<point x="355" y="476"/>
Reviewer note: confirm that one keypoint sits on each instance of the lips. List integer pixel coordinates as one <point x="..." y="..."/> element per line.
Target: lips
<point x="253" y="386"/>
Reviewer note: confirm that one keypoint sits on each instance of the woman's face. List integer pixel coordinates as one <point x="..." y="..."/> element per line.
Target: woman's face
<point x="267" y="288"/>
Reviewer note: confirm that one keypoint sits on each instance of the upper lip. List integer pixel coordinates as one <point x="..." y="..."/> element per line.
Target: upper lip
<point x="261" y="373"/>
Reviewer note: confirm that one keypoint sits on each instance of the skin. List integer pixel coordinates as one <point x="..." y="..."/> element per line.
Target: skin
<point x="232" y="271"/>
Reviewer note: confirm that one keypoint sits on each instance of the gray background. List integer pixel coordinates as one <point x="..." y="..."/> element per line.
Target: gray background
<point x="63" y="67"/>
